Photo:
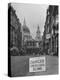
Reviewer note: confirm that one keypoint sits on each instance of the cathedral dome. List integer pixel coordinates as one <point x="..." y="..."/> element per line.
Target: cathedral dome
<point x="25" y="28"/>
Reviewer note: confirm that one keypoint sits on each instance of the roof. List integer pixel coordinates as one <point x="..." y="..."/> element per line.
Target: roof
<point x="25" y="29"/>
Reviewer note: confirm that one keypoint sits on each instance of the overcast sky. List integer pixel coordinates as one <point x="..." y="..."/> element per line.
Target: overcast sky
<point x="34" y="14"/>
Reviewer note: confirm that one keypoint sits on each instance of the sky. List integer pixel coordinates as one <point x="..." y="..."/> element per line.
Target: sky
<point x="34" y="14"/>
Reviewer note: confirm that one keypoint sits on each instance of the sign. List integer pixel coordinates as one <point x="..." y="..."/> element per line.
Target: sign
<point x="37" y="64"/>
<point x="48" y="36"/>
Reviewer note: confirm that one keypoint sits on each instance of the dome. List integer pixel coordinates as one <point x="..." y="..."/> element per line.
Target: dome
<point x="25" y="28"/>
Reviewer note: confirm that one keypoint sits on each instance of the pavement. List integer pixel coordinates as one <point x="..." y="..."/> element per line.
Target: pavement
<point x="20" y="66"/>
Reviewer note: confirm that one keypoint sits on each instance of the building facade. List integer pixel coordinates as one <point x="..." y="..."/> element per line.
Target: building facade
<point x="50" y="36"/>
<point x="14" y="29"/>
<point x="34" y="46"/>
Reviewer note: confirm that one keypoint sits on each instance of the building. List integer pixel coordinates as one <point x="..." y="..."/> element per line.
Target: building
<point x="25" y="33"/>
<point x="38" y="39"/>
<point x="38" y="34"/>
<point x="14" y="28"/>
<point x="34" y="46"/>
<point x="50" y="36"/>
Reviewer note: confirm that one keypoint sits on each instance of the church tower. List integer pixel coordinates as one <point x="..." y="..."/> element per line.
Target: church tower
<point x="38" y="34"/>
<point x="24" y="23"/>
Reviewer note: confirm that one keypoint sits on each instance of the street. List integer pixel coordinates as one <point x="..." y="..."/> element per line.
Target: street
<point x="20" y="66"/>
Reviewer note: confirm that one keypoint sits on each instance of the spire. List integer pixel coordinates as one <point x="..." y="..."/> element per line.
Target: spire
<point x="38" y="30"/>
<point x="38" y="34"/>
<point x="24" y="23"/>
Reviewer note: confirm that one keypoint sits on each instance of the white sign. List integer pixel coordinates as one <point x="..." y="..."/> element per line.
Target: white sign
<point x="48" y="36"/>
<point x="37" y="64"/>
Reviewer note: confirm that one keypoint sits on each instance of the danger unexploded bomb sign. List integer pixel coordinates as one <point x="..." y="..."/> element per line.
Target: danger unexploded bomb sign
<point x="37" y="64"/>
